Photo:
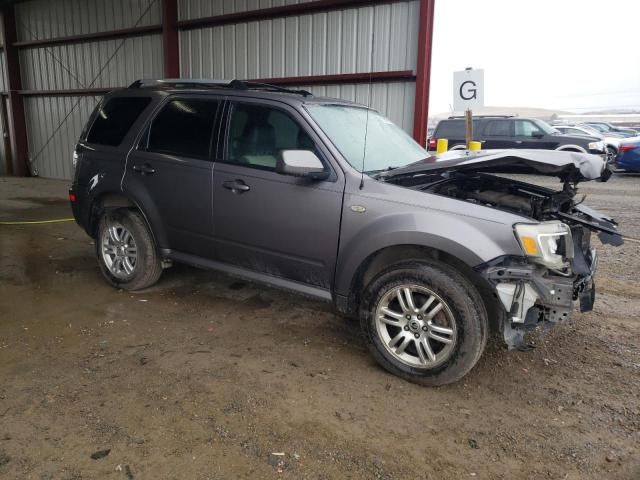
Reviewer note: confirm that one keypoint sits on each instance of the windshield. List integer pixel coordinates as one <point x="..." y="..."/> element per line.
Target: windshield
<point x="591" y="131"/>
<point x="388" y="146"/>
<point x="546" y="128"/>
<point x="598" y="127"/>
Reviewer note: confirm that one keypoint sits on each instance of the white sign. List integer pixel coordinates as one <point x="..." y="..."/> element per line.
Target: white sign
<point x="468" y="90"/>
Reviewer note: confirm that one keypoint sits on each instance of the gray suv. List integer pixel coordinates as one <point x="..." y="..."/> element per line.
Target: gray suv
<point x="330" y="199"/>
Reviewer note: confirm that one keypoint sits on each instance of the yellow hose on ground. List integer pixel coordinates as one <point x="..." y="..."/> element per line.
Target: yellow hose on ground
<point x="39" y="222"/>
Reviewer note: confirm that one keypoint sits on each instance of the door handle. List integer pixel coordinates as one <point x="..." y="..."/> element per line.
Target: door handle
<point x="236" y="186"/>
<point x="145" y="169"/>
<point x="518" y="141"/>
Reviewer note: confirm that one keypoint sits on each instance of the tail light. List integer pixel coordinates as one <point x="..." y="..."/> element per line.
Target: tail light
<point x="433" y="143"/>
<point x="625" y="148"/>
<point x="72" y="197"/>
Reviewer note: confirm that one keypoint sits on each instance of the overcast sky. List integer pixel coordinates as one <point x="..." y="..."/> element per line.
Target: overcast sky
<point x="560" y="54"/>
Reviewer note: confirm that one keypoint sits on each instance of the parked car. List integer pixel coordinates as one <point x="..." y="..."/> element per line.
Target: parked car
<point x="628" y="157"/>
<point x="281" y="187"/>
<point x="611" y="143"/>
<point x="513" y="132"/>
<point x="606" y="127"/>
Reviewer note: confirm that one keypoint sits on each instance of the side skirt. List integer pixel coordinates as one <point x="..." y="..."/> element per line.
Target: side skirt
<point x="276" y="282"/>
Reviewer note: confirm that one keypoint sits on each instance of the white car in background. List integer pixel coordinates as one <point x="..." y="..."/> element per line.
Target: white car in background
<point x="612" y="143"/>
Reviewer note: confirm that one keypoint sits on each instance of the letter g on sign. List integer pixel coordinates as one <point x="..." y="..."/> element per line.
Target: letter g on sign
<point x="468" y="90"/>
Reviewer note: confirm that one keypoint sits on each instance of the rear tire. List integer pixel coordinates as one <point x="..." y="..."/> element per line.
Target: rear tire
<point x="126" y="251"/>
<point x="434" y="348"/>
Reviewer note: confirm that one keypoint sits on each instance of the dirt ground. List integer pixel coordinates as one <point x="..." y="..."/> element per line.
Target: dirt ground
<point x="208" y="377"/>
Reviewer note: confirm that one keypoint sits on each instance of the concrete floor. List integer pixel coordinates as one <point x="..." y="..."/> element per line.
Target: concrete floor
<point x="207" y="377"/>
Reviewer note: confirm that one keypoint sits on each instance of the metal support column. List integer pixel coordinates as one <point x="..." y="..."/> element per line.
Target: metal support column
<point x="17" y="124"/>
<point x="423" y="71"/>
<point x="170" y="42"/>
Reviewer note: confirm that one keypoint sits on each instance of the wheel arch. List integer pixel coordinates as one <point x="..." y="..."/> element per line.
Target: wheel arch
<point x="384" y="258"/>
<point x="106" y="201"/>
<point x="572" y="148"/>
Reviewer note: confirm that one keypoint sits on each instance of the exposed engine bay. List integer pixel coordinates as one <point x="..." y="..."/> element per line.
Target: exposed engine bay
<point x="524" y="199"/>
<point x="505" y="194"/>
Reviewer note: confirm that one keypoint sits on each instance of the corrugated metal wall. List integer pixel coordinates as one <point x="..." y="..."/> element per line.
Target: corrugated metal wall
<point x="190" y="9"/>
<point x="54" y="122"/>
<point x="317" y="44"/>
<point x="394" y="99"/>
<point x="337" y="42"/>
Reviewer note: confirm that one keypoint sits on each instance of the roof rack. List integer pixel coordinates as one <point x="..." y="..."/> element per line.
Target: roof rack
<point x="178" y="82"/>
<point x="483" y="116"/>
<point x="198" y="83"/>
<point x="248" y="85"/>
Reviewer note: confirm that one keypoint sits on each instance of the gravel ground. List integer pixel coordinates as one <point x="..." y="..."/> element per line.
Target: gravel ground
<point x="207" y="377"/>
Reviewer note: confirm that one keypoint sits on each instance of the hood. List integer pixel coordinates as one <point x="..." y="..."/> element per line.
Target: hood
<point x="568" y="166"/>
<point x="579" y="138"/>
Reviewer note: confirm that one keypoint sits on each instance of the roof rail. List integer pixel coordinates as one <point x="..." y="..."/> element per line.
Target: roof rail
<point x="249" y="85"/>
<point x="483" y="116"/>
<point x="178" y="82"/>
<point x="199" y="83"/>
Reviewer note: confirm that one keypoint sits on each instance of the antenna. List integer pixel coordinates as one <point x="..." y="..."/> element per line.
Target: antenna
<point x="366" y="123"/>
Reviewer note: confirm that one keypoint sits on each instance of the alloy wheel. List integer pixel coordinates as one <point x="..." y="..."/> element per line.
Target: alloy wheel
<point x="119" y="251"/>
<point x="416" y="326"/>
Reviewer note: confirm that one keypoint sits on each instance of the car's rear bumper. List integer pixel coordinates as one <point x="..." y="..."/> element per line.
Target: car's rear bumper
<point x="78" y="197"/>
<point x="629" y="161"/>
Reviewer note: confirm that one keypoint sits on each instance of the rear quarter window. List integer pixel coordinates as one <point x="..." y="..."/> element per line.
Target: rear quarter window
<point x="114" y="119"/>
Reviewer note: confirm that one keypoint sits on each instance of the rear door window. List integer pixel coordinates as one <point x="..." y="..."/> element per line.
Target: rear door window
<point x="184" y="128"/>
<point x="115" y="118"/>
<point x="498" y="128"/>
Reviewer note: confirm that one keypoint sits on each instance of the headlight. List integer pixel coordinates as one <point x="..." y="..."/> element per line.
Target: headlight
<point x="546" y="243"/>
<point x="596" y="146"/>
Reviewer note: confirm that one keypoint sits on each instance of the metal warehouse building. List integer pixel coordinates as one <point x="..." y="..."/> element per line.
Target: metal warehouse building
<point x="59" y="56"/>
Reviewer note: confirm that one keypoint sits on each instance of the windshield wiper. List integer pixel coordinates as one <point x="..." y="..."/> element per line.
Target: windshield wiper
<point x="375" y="173"/>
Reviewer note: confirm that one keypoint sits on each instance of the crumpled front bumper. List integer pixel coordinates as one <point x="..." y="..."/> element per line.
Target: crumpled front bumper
<point x="533" y="295"/>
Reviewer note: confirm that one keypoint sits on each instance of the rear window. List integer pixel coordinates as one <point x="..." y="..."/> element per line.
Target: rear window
<point x="450" y="129"/>
<point x="114" y="119"/>
<point x="184" y="128"/>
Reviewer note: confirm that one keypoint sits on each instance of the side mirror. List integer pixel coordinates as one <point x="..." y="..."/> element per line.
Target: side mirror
<point x="537" y="135"/>
<point x="301" y="163"/>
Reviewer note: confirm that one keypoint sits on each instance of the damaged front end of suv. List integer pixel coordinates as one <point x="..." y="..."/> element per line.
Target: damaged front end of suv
<point x="558" y="262"/>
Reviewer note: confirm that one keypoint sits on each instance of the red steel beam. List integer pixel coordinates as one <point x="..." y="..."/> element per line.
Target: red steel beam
<point x="19" y="143"/>
<point x="304" y="8"/>
<point x="342" y="78"/>
<point x="88" y="37"/>
<point x="170" y="42"/>
<point x="423" y="71"/>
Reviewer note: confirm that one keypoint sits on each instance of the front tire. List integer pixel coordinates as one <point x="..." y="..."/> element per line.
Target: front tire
<point x="611" y="155"/>
<point x="424" y="322"/>
<point x="126" y="251"/>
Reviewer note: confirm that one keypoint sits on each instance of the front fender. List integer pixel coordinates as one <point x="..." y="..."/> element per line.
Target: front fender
<point x="471" y="240"/>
